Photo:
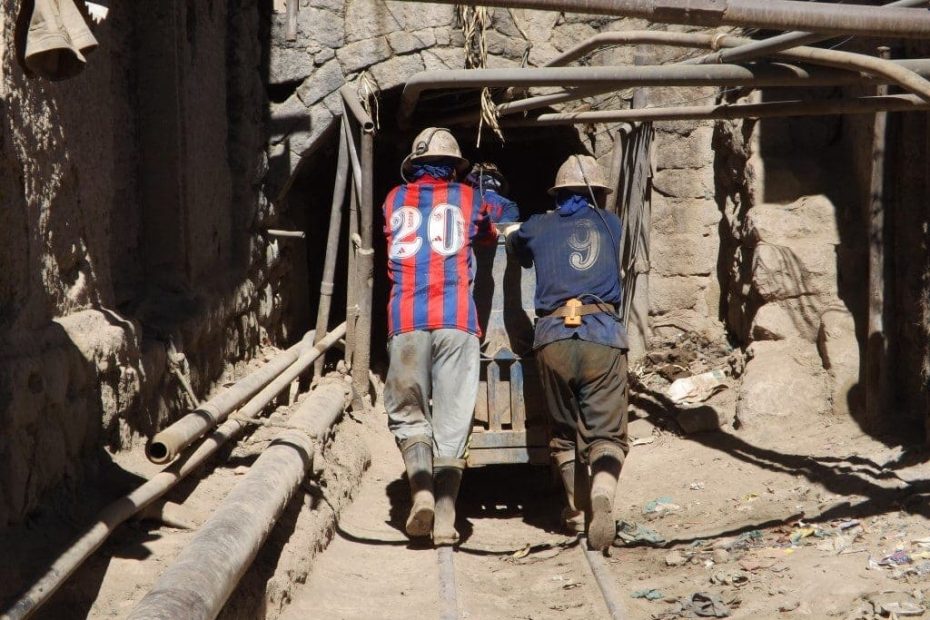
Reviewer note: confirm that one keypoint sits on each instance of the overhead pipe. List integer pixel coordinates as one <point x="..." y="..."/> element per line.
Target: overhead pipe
<point x="838" y="59"/>
<point x="770" y="14"/>
<point x="332" y="241"/>
<point x="787" y="40"/>
<point x="207" y="570"/>
<point x="171" y="441"/>
<point x="756" y="76"/>
<point x="769" y="109"/>
<point x="122" y="509"/>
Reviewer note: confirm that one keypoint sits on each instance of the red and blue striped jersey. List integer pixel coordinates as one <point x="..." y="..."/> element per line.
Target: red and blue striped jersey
<point x="429" y="226"/>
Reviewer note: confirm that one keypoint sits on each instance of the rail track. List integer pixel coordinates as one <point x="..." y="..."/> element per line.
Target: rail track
<point x="609" y="604"/>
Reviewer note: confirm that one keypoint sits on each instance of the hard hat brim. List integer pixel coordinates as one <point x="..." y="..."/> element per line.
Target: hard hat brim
<point x="555" y="188"/>
<point x="461" y="164"/>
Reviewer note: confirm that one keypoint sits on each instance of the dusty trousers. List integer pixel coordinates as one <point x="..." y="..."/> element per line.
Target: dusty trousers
<point x="586" y="389"/>
<point x="439" y="366"/>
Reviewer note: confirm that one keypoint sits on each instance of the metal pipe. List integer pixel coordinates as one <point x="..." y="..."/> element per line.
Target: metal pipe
<point x="876" y="67"/>
<point x="787" y="40"/>
<point x="277" y="232"/>
<point x="770" y="109"/>
<point x="332" y="241"/>
<point x="771" y="14"/>
<point x="361" y="360"/>
<point x="207" y="570"/>
<point x="351" y="277"/>
<point x="876" y="343"/>
<point x="168" y="443"/>
<point x="769" y="74"/>
<point x="120" y="510"/>
<point x="350" y="98"/>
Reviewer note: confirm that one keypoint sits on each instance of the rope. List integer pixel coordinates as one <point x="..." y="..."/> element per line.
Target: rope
<point x="368" y="94"/>
<point x="475" y="22"/>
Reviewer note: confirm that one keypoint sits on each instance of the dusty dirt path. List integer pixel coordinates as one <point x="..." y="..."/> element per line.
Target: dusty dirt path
<point x="369" y="569"/>
<point x="795" y="524"/>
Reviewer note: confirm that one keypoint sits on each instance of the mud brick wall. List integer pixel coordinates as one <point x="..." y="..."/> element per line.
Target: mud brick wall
<point x="132" y="216"/>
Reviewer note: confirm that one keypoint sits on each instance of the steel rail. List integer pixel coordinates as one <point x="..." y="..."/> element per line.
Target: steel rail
<point x="448" y="602"/>
<point x="612" y="78"/>
<point x="770" y="14"/>
<point x="604" y="582"/>
<point x="201" y="579"/>
<point x="769" y="109"/>
<point x="120" y="510"/>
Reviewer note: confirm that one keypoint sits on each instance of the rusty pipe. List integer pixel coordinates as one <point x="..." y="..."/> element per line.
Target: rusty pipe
<point x="770" y="14"/>
<point x="198" y="583"/>
<point x="787" y="40"/>
<point x="838" y="59"/>
<point x="769" y="109"/>
<point x="120" y="510"/>
<point x="361" y="359"/>
<point x="761" y="75"/>
<point x="350" y="99"/>
<point x="171" y="441"/>
<point x="332" y="241"/>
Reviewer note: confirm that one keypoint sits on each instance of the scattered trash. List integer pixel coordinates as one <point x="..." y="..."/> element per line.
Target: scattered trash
<point x="642" y="441"/>
<point x="848" y="524"/>
<point x="896" y="604"/>
<point x="697" y="388"/>
<point x="675" y="558"/>
<point x="897" y="558"/>
<point x="706" y="605"/>
<point x="801" y="534"/>
<point x="723" y="578"/>
<point x="629" y="532"/>
<point x="650" y="594"/>
<point x="660" y="506"/>
<point x="522" y="553"/>
<point x="696" y="486"/>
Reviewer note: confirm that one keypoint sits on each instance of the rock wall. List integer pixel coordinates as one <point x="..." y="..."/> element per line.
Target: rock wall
<point x="131" y="199"/>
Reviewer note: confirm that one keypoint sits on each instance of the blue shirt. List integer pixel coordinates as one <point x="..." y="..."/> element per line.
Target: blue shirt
<point x="574" y="255"/>
<point x="501" y="209"/>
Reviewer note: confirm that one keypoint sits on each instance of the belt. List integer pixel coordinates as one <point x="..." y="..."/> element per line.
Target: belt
<point x="564" y="311"/>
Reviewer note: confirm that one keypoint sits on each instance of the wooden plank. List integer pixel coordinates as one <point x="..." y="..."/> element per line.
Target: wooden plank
<point x="517" y="402"/>
<point x="495" y="423"/>
<point x="501" y="439"/>
<point x="481" y="405"/>
<point x="504" y="456"/>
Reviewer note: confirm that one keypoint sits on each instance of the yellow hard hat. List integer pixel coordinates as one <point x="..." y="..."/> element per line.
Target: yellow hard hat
<point x="580" y="172"/>
<point x="435" y="143"/>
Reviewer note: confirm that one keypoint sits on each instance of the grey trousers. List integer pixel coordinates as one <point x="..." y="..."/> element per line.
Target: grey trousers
<point x="439" y="365"/>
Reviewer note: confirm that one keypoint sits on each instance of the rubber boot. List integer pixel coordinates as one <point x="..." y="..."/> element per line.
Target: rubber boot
<point x="572" y="516"/>
<point x="418" y="458"/>
<point x="446" y="480"/>
<point x="606" y="462"/>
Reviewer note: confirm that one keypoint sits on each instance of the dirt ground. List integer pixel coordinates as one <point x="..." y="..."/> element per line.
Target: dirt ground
<point x="817" y="520"/>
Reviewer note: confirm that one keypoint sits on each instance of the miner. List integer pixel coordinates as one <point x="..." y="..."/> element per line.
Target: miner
<point x="431" y="222"/>
<point x="579" y="341"/>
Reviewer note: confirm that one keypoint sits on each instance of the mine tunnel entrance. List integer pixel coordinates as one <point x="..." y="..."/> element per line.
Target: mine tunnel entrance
<point x="528" y="158"/>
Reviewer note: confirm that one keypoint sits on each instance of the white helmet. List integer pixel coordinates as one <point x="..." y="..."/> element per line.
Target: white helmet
<point x="431" y="144"/>
<point x="580" y="172"/>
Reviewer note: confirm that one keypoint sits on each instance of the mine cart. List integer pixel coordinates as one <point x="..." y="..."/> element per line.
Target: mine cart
<point x="510" y="415"/>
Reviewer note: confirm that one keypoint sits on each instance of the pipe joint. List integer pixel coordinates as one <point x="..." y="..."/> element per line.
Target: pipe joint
<point x="694" y="12"/>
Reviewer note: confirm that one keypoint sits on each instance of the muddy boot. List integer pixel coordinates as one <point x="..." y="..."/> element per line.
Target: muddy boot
<point x="418" y="457"/>
<point x="572" y="516"/>
<point x="446" y="479"/>
<point x="606" y="462"/>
